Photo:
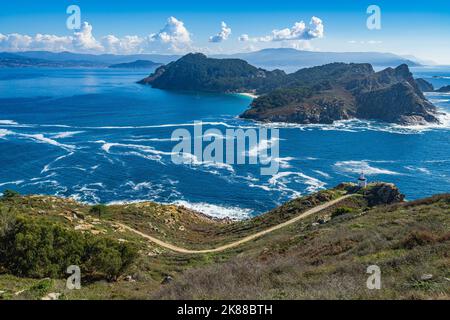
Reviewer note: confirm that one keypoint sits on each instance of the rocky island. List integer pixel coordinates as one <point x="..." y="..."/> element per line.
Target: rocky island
<point x="323" y="94"/>
<point x="424" y="85"/>
<point x="138" y="64"/>
<point x="444" y="89"/>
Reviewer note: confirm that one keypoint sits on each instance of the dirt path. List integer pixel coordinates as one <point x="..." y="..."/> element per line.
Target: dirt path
<point x="238" y="242"/>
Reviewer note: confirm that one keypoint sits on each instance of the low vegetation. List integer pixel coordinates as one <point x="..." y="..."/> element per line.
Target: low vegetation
<point x="323" y="256"/>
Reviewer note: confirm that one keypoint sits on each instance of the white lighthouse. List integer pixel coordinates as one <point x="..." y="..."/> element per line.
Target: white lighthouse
<point x="362" y="181"/>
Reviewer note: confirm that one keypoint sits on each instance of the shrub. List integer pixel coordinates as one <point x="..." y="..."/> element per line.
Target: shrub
<point x="417" y="238"/>
<point x="34" y="248"/>
<point x="7" y="220"/>
<point x="99" y="210"/>
<point x="41" y="288"/>
<point x="341" y="211"/>
<point x="10" y="194"/>
<point x="108" y="258"/>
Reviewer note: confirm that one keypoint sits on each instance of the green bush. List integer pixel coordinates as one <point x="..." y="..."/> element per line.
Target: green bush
<point x="108" y="258"/>
<point x="99" y="210"/>
<point x="7" y="220"/>
<point x="41" y="288"/>
<point x="341" y="211"/>
<point x="33" y="248"/>
<point x="10" y="194"/>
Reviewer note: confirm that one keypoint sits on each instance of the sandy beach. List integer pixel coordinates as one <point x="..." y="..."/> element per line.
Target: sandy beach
<point x="247" y="94"/>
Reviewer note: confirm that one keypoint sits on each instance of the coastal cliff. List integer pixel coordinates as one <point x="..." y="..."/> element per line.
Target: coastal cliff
<point x="444" y="89"/>
<point x="391" y="95"/>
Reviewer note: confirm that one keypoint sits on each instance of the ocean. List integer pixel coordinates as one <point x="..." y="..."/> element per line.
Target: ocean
<point x="96" y="136"/>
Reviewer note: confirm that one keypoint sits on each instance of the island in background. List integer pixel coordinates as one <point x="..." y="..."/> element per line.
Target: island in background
<point x="323" y="94"/>
<point x="138" y="64"/>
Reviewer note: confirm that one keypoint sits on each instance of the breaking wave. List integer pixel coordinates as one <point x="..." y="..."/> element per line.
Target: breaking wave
<point x="356" y="167"/>
<point x="216" y="211"/>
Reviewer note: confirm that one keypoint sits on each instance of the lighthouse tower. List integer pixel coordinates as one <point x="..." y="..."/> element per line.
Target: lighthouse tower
<point x="362" y="181"/>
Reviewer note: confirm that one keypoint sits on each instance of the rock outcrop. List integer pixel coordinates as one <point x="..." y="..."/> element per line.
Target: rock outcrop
<point x="382" y="193"/>
<point x="444" y="89"/>
<point x="391" y="95"/>
<point x="424" y="85"/>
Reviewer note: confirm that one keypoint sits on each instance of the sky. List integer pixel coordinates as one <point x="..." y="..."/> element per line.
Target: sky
<point x="419" y="28"/>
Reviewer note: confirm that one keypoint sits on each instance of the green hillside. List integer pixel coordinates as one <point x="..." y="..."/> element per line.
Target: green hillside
<point x="323" y="256"/>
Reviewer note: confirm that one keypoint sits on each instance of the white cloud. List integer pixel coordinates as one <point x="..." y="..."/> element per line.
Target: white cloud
<point x="174" y="34"/>
<point x="244" y="37"/>
<point x="81" y="41"/>
<point x="299" y="31"/>
<point x="15" y="42"/>
<point x="50" y="42"/>
<point x="222" y="35"/>
<point x="125" y="45"/>
<point x="84" y="40"/>
<point x="174" y="37"/>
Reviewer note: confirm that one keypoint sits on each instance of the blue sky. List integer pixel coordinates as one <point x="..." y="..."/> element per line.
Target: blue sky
<point x="417" y="28"/>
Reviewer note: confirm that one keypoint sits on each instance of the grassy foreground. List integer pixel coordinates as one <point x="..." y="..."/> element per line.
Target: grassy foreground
<point x="324" y="256"/>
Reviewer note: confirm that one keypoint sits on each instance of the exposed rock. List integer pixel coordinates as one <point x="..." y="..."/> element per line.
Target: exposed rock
<point x="346" y="92"/>
<point x="167" y="280"/>
<point x="349" y="187"/>
<point x="323" y="219"/>
<point x="426" y="277"/>
<point x="444" y="89"/>
<point x="52" y="296"/>
<point x="424" y="85"/>
<point x="399" y="103"/>
<point x="382" y="193"/>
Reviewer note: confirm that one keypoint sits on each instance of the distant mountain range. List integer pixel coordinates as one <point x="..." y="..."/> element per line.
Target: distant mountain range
<point x="282" y="58"/>
<point x="292" y="59"/>
<point x="71" y="60"/>
<point x="12" y="60"/>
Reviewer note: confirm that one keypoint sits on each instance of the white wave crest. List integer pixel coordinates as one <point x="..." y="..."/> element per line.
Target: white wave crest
<point x="40" y="138"/>
<point x="323" y="174"/>
<point x="216" y="211"/>
<point x="281" y="179"/>
<point x="418" y="169"/>
<point x="67" y="134"/>
<point x="8" y="122"/>
<point x="4" y="132"/>
<point x="361" y="166"/>
<point x="17" y="182"/>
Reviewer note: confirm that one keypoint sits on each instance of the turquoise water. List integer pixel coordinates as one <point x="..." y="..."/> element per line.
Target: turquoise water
<point x="96" y="136"/>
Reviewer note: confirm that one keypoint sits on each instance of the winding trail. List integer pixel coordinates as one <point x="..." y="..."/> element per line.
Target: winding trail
<point x="241" y="241"/>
